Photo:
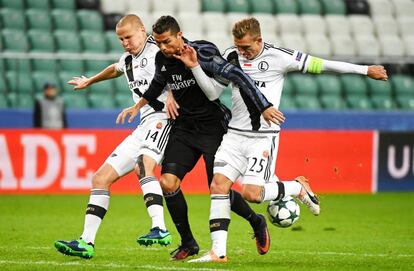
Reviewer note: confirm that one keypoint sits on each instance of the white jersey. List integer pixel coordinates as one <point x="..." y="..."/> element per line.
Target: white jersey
<point x="139" y="71"/>
<point x="268" y="71"/>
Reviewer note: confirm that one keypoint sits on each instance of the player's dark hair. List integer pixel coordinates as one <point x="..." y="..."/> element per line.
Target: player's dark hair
<point x="165" y="24"/>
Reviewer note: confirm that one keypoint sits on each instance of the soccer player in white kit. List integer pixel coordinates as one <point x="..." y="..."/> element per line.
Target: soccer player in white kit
<point x="249" y="149"/>
<point x="144" y="147"/>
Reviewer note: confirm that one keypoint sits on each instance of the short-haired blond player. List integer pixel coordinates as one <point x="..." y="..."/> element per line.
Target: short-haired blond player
<point x="249" y="149"/>
<point x="143" y="148"/>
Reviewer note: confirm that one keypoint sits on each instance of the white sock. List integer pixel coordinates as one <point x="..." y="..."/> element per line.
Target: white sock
<point x="153" y="197"/>
<point x="271" y="191"/>
<point x="95" y="212"/>
<point x="219" y="222"/>
<point x="292" y="188"/>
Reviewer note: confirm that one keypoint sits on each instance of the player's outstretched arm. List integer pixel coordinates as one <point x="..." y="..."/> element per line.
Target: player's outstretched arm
<point x="132" y="111"/>
<point x="211" y="60"/>
<point x="81" y="82"/>
<point x="318" y="65"/>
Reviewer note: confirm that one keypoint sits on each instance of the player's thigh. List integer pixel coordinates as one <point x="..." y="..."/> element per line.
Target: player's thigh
<point x="180" y="155"/>
<point x="261" y="153"/>
<point x="124" y="157"/>
<point x="230" y="160"/>
<point x="208" y="145"/>
<point x="104" y="177"/>
<point x="153" y="135"/>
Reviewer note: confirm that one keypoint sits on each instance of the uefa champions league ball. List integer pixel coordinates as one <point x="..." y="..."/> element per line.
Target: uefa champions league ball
<point x="283" y="213"/>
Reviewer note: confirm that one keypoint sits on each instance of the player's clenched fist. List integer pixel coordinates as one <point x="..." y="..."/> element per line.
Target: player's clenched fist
<point x="377" y="72"/>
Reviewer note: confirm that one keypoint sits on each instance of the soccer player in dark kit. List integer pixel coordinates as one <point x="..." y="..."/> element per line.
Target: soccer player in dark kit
<point x="198" y="129"/>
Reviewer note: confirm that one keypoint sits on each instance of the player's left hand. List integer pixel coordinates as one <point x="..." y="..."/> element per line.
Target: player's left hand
<point x="132" y="111"/>
<point x="271" y="114"/>
<point x="377" y="72"/>
<point x="188" y="56"/>
<point x="172" y="106"/>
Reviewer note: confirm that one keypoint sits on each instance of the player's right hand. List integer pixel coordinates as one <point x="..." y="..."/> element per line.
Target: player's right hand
<point x="172" y="106"/>
<point x="188" y="56"/>
<point x="271" y="114"/>
<point x="132" y="111"/>
<point x="377" y="72"/>
<point x="79" y="82"/>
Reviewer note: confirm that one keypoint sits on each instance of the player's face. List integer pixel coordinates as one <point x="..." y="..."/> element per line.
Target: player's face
<point x="169" y="44"/>
<point x="249" y="46"/>
<point x="132" y="37"/>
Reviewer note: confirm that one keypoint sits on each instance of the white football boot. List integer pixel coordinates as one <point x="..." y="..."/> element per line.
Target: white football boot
<point x="307" y="197"/>
<point x="209" y="257"/>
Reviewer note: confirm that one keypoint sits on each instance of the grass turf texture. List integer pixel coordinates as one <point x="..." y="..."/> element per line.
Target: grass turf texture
<point x="354" y="232"/>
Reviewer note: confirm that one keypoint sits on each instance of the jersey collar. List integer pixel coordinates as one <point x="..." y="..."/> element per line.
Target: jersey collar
<point x="143" y="48"/>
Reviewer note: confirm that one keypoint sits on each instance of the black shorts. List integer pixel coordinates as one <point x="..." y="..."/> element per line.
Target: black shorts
<point x="184" y="149"/>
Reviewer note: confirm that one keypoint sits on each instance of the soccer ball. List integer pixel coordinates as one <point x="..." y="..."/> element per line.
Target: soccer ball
<point x="283" y="213"/>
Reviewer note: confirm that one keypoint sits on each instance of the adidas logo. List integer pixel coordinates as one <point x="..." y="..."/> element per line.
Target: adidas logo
<point x="163" y="69"/>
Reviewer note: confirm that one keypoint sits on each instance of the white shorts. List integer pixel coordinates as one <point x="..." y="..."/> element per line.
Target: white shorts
<point x="250" y="158"/>
<point x="149" y="138"/>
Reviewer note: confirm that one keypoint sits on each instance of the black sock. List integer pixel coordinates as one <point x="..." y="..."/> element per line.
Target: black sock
<point x="243" y="209"/>
<point x="177" y="206"/>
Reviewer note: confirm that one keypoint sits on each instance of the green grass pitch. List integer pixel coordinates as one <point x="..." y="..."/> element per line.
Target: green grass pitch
<point x="353" y="232"/>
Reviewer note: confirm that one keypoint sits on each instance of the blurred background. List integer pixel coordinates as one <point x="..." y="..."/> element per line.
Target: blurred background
<point x="50" y="41"/>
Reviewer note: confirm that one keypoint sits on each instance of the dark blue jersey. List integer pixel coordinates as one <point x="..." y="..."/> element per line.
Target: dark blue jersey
<point x="195" y="108"/>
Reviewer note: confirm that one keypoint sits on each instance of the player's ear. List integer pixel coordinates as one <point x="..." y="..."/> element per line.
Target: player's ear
<point x="259" y="39"/>
<point x="179" y="34"/>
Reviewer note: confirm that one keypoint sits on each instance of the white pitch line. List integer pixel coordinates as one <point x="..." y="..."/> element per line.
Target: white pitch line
<point x="239" y="251"/>
<point x="108" y="265"/>
<point x="344" y="254"/>
<point x="101" y="248"/>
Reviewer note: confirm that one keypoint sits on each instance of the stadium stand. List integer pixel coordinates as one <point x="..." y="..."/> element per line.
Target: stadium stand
<point x="309" y="7"/>
<point x="38" y="4"/>
<point x="39" y="19"/>
<point x="261" y="7"/>
<point x="61" y="39"/>
<point x="286" y="6"/>
<point x="330" y="7"/>
<point x="66" y="5"/>
<point x="64" y="19"/>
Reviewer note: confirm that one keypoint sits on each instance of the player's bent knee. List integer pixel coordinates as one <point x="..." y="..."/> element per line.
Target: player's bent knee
<point x="104" y="177"/>
<point x="169" y="183"/>
<point x="251" y="196"/>
<point x="175" y="169"/>
<point x="252" y="193"/>
<point x="218" y="188"/>
<point x="99" y="181"/>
